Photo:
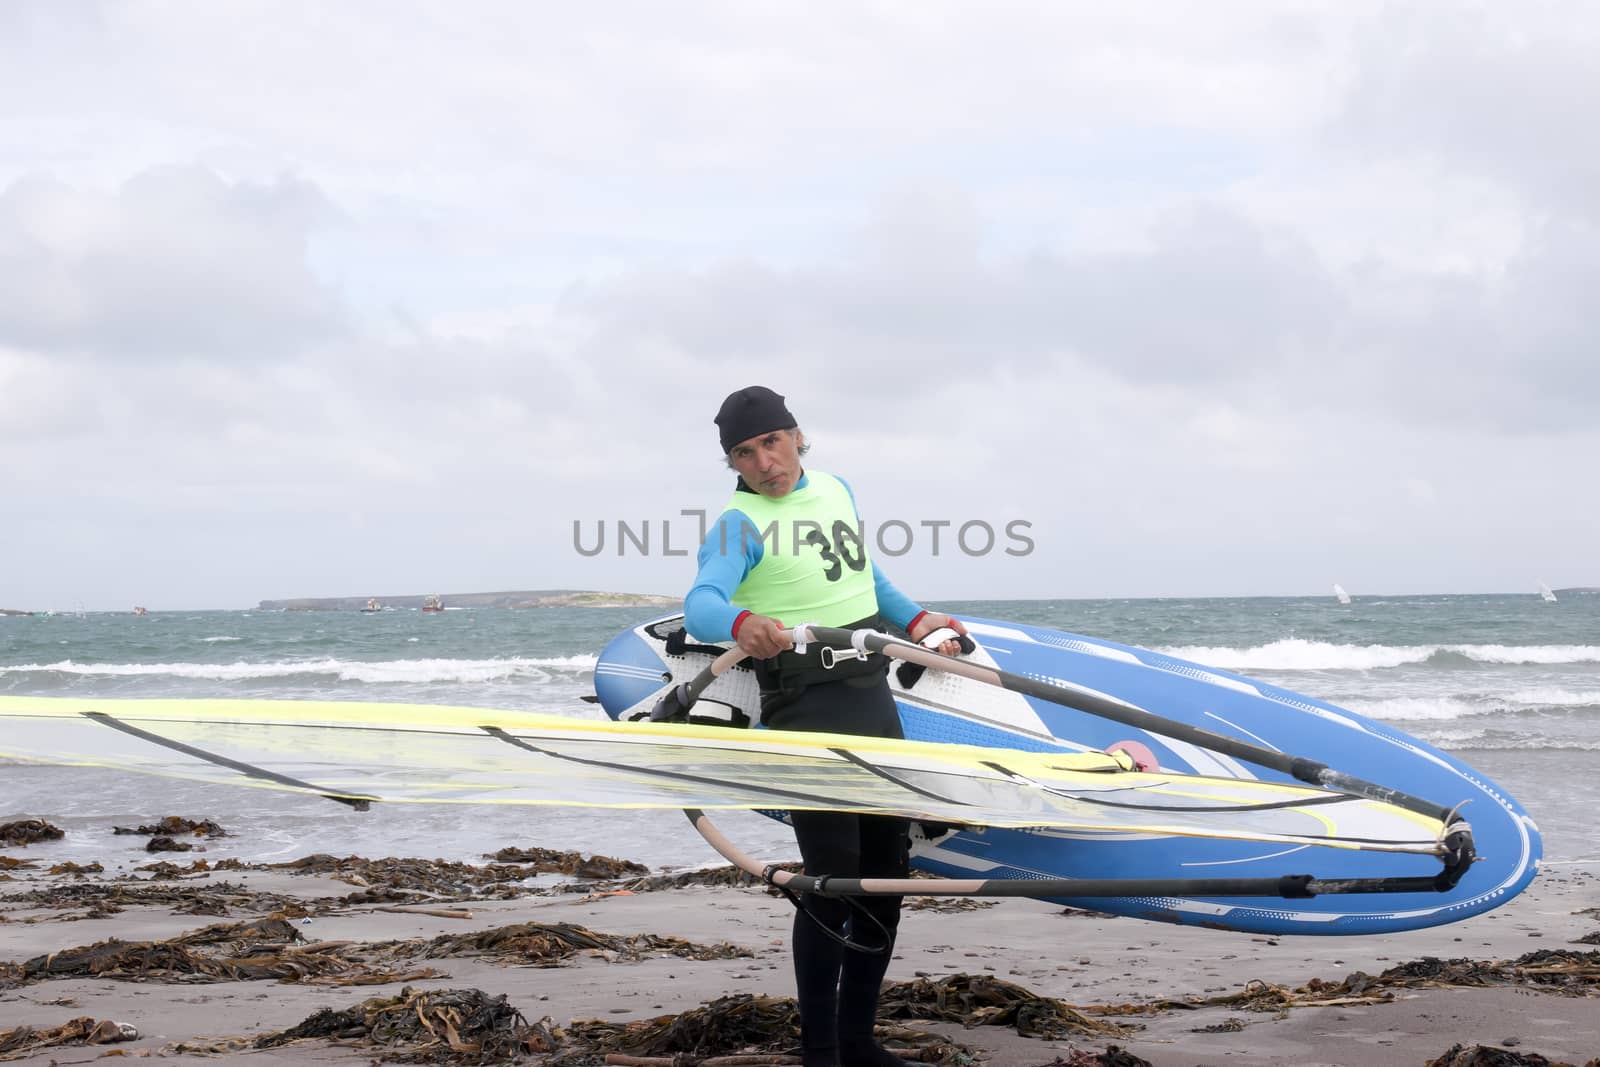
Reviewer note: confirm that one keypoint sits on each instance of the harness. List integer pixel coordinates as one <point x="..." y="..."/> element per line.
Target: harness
<point x="790" y="673"/>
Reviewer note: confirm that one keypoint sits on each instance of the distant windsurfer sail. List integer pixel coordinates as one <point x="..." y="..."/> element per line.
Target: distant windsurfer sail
<point x="1546" y="593"/>
<point x="1339" y="594"/>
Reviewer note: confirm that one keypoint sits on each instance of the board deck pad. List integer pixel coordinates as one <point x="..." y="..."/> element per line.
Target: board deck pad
<point x="636" y="668"/>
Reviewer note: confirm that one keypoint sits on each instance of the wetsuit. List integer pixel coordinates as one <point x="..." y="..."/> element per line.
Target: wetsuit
<point x="801" y="558"/>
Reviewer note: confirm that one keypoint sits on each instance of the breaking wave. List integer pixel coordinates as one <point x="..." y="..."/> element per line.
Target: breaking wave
<point x="1296" y="654"/>
<point x="1459" y="706"/>
<point x="402" y="670"/>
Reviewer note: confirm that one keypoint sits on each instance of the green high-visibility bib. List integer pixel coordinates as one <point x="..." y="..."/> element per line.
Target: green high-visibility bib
<point x="814" y="564"/>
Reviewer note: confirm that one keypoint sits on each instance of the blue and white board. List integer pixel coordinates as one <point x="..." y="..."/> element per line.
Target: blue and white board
<point x="636" y="668"/>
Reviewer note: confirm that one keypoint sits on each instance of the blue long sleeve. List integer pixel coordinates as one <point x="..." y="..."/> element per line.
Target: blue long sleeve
<point x="731" y="550"/>
<point x="893" y="605"/>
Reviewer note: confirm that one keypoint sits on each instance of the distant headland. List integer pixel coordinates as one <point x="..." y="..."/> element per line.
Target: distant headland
<point x="535" y="598"/>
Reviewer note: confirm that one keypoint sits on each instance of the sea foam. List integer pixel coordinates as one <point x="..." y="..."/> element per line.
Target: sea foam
<point x="1464" y="706"/>
<point x="402" y="670"/>
<point x="1296" y="654"/>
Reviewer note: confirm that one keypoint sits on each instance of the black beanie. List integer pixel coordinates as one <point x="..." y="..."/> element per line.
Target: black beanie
<point x="750" y="412"/>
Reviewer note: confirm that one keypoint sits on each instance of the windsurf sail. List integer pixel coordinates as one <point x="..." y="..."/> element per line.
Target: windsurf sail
<point x="1339" y="594"/>
<point x="1546" y="593"/>
<point x="1456" y="847"/>
<point x="368" y="753"/>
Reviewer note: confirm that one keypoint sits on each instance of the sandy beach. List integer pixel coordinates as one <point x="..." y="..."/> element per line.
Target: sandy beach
<point x="1182" y="992"/>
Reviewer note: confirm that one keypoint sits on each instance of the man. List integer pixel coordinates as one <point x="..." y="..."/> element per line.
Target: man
<point x="788" y="549"/>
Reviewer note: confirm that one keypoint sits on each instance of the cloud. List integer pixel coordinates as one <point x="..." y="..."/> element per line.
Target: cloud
<point x="1497" y="91"/>
<point x="1212" y="302"/>
<point x="1215" y="300"/>
<point x="176" y="264"/>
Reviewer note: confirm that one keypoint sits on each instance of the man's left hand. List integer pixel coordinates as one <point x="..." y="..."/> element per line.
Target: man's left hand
<point x="932" y="621"/>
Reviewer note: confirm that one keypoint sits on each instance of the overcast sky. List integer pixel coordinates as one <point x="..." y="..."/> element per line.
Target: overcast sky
<point x="308" y="299"/>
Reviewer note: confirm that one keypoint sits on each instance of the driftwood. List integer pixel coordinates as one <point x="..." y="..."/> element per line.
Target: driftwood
<point x="437" y="913"/>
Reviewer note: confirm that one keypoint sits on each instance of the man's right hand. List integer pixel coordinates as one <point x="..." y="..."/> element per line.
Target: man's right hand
<point x="763" y="637"/>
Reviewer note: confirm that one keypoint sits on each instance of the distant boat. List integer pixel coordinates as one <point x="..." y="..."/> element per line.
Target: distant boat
<point x="1338" y="592"/>
<point x="432" y="602"/>
<point x="140" y="611"/>
<point x="372" y="608"/>
<point x="1547" y="593"/>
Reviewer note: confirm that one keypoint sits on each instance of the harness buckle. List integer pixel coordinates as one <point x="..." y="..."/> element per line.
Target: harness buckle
<point x="832" y="657"/>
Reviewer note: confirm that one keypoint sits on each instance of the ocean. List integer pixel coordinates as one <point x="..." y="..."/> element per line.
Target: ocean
<point x="1508" y="683"/>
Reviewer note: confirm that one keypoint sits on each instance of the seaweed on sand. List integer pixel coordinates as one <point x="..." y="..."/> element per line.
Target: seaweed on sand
<point x="553" y="861"/>
<point x="743" y="1029"/>
<point x="978" y="1000"/>
<point x="24" y="1040"/>
<point x="272" y="947"/>
<point x="29" y="832"/>
<point x="224" y="952"/>
<point x="175" y="826"/>
<point x="446" y="1025"/>
<point x="547" y="944"/>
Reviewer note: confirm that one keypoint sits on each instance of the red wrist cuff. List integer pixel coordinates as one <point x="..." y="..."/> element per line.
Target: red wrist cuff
<point x="912" y="625"/>
<point x="743" y="615"/>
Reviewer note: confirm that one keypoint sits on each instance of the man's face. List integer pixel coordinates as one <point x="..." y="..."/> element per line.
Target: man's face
<point x="769" y="463"/>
